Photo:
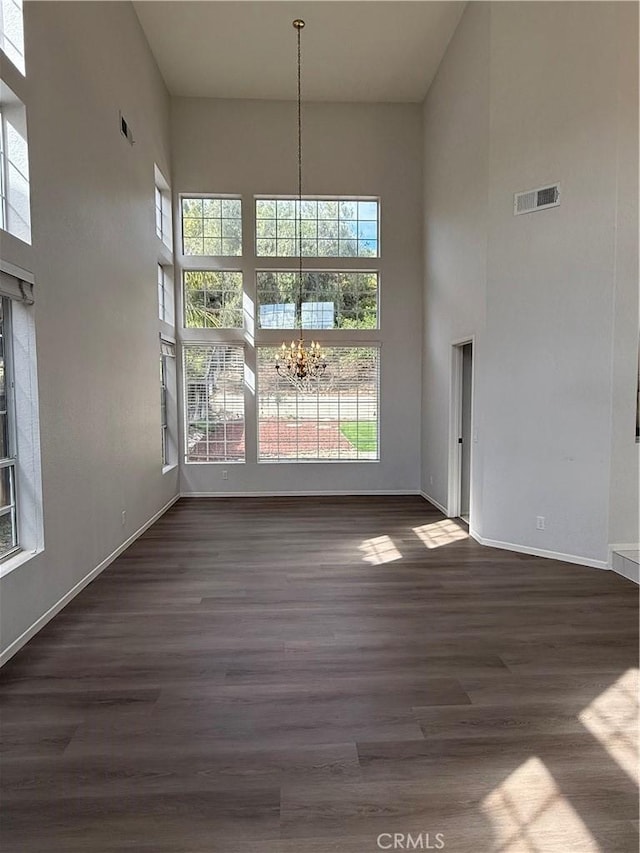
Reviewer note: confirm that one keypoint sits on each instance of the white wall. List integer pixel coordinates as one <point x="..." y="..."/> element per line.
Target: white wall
<point x="560" y="80"/>
<point x="456" y="183"/>
<point x="249" y="147"/>
<point x="624" y="509"/>
<point x="94" y="256"/>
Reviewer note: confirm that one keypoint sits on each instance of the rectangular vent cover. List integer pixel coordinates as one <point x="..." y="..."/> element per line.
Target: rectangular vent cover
<point x="539" y="199"/>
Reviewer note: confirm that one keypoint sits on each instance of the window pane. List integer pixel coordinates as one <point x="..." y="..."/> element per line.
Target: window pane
<point x="214" y="385"/>
<point x="212" y="299"/>
<point x="330" y="300"/>
<point x="330" y="228"/>
<point x="8" y="538"/>
<point x="212" y="226"/>
<point x="336" y="418"/>
<point x="6" y="486"/>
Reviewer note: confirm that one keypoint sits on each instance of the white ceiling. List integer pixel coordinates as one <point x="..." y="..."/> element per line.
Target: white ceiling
<point x="351" y="51"/>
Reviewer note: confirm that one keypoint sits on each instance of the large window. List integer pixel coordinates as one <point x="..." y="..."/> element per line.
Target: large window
<point x="235" y="315"/>
<point x="214" y="403"/>
<point x="8" y="517"/>
<point x="335" y="419"/>
<point x="330" y="228"/>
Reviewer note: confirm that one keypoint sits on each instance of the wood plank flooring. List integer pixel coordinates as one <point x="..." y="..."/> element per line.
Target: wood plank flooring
<point x="316" y="675"/>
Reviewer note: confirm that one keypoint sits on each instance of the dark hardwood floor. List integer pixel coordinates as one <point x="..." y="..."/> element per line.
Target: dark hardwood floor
<point x="315" y="675"/>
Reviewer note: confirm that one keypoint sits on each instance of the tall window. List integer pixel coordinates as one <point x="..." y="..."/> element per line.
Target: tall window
<point x="214" y="315"/>
<point x="166" y="316"/>
<point x="15" y="210"/>
<point x="8" y="513"/>
<point x="337" y="417"/>
<point x="12" y="32"/>
<point x="167" y="401"/>
<point x="234" y="309"/>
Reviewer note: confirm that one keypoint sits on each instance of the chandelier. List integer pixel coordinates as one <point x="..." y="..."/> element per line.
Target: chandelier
<point x="297" y="363"/>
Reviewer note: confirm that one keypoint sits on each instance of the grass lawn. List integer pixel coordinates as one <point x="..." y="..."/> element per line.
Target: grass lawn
<point x="362" y="434"/>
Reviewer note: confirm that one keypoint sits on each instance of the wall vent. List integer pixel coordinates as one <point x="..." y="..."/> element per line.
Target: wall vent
<point x="125" y="130"/>
<point x="538" y="199"/>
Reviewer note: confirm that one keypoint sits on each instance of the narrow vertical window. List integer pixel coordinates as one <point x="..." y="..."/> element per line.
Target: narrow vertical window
<point x="12" y="32"/>
<point x="162" y="204"/>
<point x="167" y="401"/>
<point x="15" y="216"/>
<point x="8" y="512"/>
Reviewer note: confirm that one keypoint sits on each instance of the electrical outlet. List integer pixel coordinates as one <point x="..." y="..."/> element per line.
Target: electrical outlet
<point x="124" y="517"/>
<point x="225" y="475"/>
<point x="539" y="522"/>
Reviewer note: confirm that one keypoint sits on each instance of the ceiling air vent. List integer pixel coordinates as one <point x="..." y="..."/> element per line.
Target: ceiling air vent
<point x="540" y="199"/>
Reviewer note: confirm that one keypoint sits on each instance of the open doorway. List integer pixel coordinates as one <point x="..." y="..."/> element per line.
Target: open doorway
<point x="461" y="439"/>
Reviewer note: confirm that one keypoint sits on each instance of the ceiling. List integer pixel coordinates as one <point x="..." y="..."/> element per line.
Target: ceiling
<point x="351" y="51"/>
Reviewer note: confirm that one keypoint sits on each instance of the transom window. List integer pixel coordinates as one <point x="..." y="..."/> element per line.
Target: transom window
<point x="329" y="228"/>
<point x="212" y="299"/>
<point x="330" y="300"/>
<point x="212" y="226"/>
<point x="214" y="403"/>
<point x="336" y="419"/>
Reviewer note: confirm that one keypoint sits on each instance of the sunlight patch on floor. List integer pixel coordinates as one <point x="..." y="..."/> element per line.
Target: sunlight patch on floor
<point x="612" y="718"/>
<point x="529" y="814"/>
<point x="440" y="533"/>
<point x="379" y="550"/>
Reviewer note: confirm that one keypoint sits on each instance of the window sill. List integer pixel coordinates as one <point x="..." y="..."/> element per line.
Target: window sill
<point x="18" y="560"/>
<point x="167" y="468"/>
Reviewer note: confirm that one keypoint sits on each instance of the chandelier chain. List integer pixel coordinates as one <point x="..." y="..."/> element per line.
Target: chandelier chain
<point x="300" y="174"/>
<point x="297" y="364"/>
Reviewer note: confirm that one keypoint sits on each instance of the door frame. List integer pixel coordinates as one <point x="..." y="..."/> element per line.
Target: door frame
<point x="455" y="426"/>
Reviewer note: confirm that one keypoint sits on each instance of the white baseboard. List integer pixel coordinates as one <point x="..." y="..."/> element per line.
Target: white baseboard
<point x="306" y="494"/>
<point x="17" y="644"/>
<point x="626" y="568"/>
<point x="540" y="552"/>
<point x="435" y="503"/>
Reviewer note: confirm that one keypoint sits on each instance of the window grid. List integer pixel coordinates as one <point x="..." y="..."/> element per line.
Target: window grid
<point x="329" y="228"/>
<point x="214" y="411"/>
<point x="8" y="504"/>
<point x="212" y="299"/>
<point x="335" y="420"/>
<point x="212" y="226"/>
<point x="332" y="299"/>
